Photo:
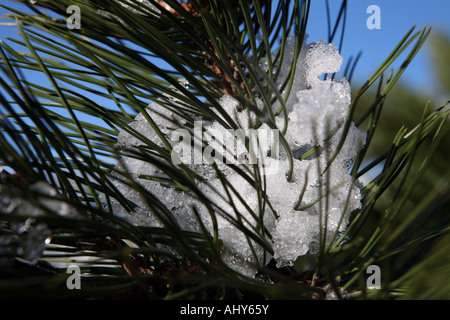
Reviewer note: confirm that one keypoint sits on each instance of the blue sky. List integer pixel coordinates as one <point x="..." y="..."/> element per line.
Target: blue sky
<point x="397" y="17"/>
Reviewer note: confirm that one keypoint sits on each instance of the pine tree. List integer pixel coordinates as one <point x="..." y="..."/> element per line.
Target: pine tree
<point x="89" y="179"/>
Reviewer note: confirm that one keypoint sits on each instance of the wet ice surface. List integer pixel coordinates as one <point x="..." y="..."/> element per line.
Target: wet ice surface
<point x="28" y="239"/>
<point x="317" y="110"/>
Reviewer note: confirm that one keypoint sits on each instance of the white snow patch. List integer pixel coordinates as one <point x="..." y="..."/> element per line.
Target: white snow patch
<point x="317" y="111"/>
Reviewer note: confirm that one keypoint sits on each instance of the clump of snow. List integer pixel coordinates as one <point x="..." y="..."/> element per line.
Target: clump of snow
<point x="145" y="8"/>
<point x="317" y="110"/>
<point x="143" y="3"/>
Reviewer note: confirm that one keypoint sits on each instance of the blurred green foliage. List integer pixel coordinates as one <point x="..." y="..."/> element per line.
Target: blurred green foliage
<point x="404" y="107"/>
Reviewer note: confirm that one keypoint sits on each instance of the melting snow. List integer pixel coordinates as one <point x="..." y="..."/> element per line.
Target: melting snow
<point x="317" y="110"/>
